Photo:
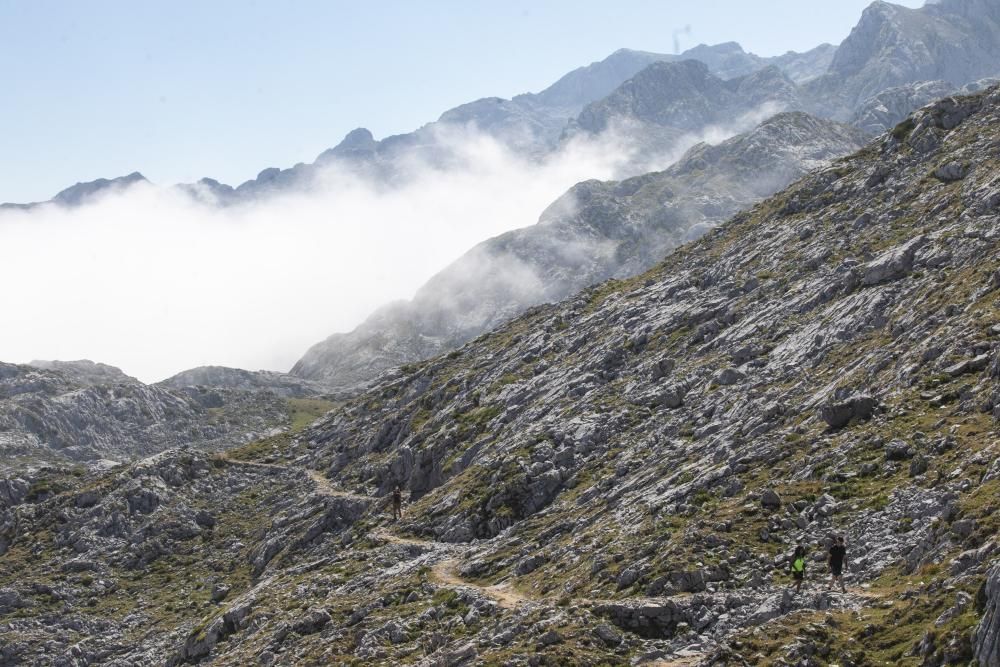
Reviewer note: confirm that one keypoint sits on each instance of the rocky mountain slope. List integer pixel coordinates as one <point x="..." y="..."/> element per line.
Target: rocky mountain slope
<point x="666" y="100"/>
<point x="83" y="412"/>
<point x="615" y="479"/>
<point x="597" y="230"/>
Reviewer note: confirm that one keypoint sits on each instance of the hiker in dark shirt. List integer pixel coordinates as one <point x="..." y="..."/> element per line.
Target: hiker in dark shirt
<point x="397" y="504"/>
<point x="837" y="553"/>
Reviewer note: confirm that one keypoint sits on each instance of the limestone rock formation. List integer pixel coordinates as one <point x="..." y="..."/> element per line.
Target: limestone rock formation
<point x="222" y="377"/>
<point x="85" y="412"/>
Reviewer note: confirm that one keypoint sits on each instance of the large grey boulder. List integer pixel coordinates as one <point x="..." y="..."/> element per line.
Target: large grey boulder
<point x="892" y="264"/>
<point x="838" y="414"/>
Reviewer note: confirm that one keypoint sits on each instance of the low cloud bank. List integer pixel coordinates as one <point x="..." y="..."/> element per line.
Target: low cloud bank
<point x="154" y="282"/>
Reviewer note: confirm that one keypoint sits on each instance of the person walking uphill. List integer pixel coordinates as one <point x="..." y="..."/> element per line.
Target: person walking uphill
<point x="397" y="504"/>
<point x="798" y="566"/>
<point x="837" y="553"/>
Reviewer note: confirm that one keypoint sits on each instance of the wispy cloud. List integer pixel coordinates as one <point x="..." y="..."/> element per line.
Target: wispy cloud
<point x="154" y="282"/>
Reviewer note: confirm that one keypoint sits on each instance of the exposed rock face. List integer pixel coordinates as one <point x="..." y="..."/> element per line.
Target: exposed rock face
<point x="81" y="411"/>
<point x="886" y="109"/>
<point x="955" y="41"/>
<point x="222" y="377"/>
<point x="987" y="636"/>
<point x="595" y="232"/>
<point x="557" y="511"/>
<point x="666" y="100"/>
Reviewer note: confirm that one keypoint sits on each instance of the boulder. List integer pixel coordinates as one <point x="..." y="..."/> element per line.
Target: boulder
<point x="12" y="491"/>
<point x="973" y="365"/>
<point x="770" y="500"/>
<point x="892" y="264"/>
<point x="951" y="171"/>
<point x="608" y="635"/>
<point x="918" y="465"/>
<point x="838" y="414"/>
<point x="728" y="376"/>
<point x="312" y="622"/>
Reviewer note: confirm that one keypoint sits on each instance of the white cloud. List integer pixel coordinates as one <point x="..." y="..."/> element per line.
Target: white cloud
<point x="155" y="283"/>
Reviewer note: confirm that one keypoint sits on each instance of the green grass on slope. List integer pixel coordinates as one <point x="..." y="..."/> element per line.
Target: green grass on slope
<point x="301" y="412"/>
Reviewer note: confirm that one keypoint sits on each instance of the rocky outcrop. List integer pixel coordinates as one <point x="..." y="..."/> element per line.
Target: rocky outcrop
<point x="889" y="107"/>
<point x="80" y="411"/>
<point x="86" y="372"/>
<point x="986" y="639"/>
<point x="222" y="377"/>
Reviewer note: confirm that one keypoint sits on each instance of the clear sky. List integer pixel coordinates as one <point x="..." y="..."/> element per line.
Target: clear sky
<point x="180" y="89"/>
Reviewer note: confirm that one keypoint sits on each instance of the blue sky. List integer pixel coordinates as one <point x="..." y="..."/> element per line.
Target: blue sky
<point x="182" y="89"/>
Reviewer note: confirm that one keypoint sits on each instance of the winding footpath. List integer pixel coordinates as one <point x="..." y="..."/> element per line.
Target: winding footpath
<point x="445" y="570"/>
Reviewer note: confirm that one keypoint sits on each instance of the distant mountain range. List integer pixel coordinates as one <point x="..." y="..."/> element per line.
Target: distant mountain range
<point x="532" y="122"/>
<point x="943" y="46"/>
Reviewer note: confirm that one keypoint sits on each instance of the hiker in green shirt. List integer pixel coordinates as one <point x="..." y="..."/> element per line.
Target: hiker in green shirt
<point x="798" y="566"/>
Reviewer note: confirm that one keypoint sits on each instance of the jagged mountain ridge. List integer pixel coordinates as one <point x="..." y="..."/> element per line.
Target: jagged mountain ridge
<point x="594" y="232"/>
<point x="530" y="123"/>
<point x="956" y="41"/>
<point x="637" y="461"/>
<point x="80" y="193"/>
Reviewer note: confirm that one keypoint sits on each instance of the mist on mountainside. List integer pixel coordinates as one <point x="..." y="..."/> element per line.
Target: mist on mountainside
<point x="153" y="281"/>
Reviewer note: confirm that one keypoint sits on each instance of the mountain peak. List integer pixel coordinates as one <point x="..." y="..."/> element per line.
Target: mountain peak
<point x="79" y="193"/>
<point x="724" y="47"/>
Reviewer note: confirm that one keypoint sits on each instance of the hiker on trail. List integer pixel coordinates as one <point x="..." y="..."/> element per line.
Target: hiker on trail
<point x="798" y="566"/>
<point x="397" y="504"/>
<point x="837" y="553"/>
